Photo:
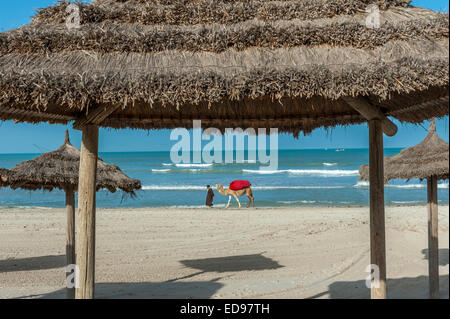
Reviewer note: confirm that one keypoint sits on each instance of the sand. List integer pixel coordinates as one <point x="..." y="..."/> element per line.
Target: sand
<point x="217" y="253"/>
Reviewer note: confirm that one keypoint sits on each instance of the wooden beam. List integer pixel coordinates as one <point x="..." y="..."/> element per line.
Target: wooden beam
<point x="86" y="213"/>
<point x="95" y="117"/>
<point x="377" y="219"/>
<point x="371" y="112"/>
<point x="70" y="235"/>
<point x="433" y="245"/>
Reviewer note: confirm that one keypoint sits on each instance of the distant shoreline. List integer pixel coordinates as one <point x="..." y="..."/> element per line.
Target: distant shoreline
<point x="168" y="151"/>
<point x="244" y="208"/>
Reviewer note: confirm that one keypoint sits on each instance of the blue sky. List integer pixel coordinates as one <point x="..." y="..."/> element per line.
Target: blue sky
<point x="27" y="138"/>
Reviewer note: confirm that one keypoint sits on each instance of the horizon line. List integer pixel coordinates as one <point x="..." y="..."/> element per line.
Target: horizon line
<point x="246" y="150"/>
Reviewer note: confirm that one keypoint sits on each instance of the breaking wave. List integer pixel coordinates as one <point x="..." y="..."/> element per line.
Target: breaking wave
<point x="306" y="172"/>
<point x="330" y="164"/>
<point x="362" y="184"/>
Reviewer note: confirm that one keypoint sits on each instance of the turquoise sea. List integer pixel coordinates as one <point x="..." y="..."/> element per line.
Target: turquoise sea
<point x="303" y="178"/>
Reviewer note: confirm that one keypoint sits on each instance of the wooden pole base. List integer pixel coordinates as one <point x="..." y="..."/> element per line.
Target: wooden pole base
<point x="377" y="219"/>
<point x="86" y="213"/>
<point x="433" y="244"/>
<point x="70" y="235"/>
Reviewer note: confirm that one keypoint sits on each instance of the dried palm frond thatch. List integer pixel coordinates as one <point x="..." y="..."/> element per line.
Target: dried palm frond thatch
<point x="426" y="159"/>
<point x="241" y="63"/>
<point x="59" y="169"/>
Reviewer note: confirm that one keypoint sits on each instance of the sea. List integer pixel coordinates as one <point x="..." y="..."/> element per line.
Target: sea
<point x="326" y="177"/>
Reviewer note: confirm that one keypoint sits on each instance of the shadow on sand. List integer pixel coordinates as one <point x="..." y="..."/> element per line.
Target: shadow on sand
<point x="145" y="290"/>
<point x="415" y="287"/>
<point x="32" y="263"/>
<point x="443" y="256"/>
<point x="253" y="262"/>
<point x="402" y="288"/>
<point x="178" y="289"/>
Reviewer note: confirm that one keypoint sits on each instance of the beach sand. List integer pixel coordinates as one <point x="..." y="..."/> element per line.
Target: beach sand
<point x="217" y="253"/>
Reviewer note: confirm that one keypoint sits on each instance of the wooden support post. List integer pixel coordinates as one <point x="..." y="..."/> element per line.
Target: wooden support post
<point x="433" y="245"/>
<point x="70" y="235"/>
<point x="86" y="213"/>
<point x="377" y="226"/>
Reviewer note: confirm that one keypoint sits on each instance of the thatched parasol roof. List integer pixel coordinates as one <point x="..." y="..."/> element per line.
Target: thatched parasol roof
<point x="426" y="159"/>
<point x="59" y="169"/>
<point x="230" y="63"/>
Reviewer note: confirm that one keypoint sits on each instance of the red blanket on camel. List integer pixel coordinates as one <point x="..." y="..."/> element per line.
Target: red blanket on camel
<point x="238" y="185"/>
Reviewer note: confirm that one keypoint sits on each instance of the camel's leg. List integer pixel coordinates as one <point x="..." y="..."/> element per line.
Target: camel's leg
<point x="251" y="198"/>
<point x="237" y="199"/>
<point x="229" y="200"/>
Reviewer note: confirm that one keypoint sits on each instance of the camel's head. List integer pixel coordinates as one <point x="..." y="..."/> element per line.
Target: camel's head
<point x="219" y="186"/>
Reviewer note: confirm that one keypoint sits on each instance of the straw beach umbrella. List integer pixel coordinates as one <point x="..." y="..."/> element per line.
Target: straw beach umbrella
<point x="427" y="160"/>
<point x="59" y="170"/>
<point x="294" y="65"/>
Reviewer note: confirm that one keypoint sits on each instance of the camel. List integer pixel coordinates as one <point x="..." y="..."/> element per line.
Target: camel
<point x="236" y="194"/>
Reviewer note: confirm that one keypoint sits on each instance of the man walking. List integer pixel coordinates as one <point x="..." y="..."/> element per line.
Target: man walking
<point x="209" y="196"/>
